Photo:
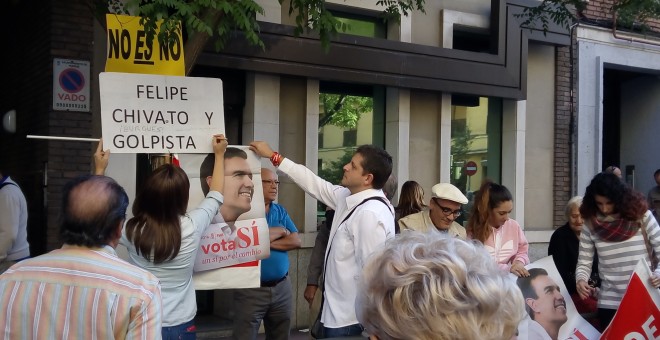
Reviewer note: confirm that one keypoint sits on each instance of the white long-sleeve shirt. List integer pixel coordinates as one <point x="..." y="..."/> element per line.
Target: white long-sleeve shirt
<point x="350" y="243"/>
<point x="13" y="223"/>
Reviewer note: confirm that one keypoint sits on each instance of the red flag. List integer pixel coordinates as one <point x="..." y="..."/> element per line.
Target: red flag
<point x="638" y="316"/>
<point x="175" y="160"/>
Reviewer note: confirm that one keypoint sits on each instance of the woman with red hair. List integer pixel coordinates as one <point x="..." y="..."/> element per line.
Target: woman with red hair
<point x="502" y="236"/>
<point x="621" y="229"/>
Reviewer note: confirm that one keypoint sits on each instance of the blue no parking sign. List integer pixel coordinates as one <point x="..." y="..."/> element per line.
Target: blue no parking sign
<point x="72" y="80"/>
<point x="71" y="85"/>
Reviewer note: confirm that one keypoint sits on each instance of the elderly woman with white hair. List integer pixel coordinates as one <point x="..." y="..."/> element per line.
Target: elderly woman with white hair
<point x="431" y="286"/>
<point x="564" y="247"/>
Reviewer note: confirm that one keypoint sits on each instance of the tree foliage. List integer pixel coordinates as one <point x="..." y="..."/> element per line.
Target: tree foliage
<point x="635" y="14"/>
<point x="461" y="145"/>
<point x="217" y="19"/>
<point x="560" y="12"/>
<point x="335" y="171"/>
<point x="630" y="14"/>
<point x="343" y="110"/>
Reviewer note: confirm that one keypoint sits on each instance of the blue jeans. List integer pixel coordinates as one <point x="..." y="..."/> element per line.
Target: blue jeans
<point x="184" y="331"/>
<point x="351" y="330"/>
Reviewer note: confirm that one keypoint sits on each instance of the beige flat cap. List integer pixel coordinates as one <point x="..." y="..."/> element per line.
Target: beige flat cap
<point x="448" y="192"/>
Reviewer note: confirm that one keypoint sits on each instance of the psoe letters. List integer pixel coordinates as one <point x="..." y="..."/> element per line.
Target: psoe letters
<point x="650" y="331"/>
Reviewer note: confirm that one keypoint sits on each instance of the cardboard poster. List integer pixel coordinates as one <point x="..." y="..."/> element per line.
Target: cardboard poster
<point x="547" y="299"/>
<point x="234" y="242"/>
<point x="128" y="49"/>
<point x="143" y="113"/>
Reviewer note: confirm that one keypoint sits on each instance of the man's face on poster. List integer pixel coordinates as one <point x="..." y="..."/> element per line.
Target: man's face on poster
<point x="238" y="188"/>
<point x="550" y="306"/>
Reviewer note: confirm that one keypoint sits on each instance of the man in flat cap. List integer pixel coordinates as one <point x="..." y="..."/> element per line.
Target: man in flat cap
<point x="444" y="208"/>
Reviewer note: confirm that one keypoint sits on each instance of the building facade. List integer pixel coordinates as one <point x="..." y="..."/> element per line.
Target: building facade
<point x="617" y="114"/>
<point x="460" y="83"/>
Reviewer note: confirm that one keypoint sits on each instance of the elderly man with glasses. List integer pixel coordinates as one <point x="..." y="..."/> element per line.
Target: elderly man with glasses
<point x="444" y="208"/>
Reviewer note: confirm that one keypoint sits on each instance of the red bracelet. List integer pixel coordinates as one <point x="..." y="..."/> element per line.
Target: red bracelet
<point x="276" y="158"/>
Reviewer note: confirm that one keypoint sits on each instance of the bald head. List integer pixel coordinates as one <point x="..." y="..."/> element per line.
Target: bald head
<point x="390" y="187"/>
<point x="265" y="172"/>
<point x="93" y="210"/>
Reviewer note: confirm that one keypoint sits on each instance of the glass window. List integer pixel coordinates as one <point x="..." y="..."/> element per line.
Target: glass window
<point x="350" y="137"/>
<point x="476" y="146"/>
<point x="362" y="25"/>
<point x="473" y="39"/>
<point x="349" y="116"/>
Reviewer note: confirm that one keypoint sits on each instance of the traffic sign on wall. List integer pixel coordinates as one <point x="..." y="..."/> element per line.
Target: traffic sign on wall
<point x="470" y="168"/>
<point x="71" y="85"/>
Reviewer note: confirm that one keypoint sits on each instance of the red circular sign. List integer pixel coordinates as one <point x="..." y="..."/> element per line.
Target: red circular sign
<point x="470" y="168"/>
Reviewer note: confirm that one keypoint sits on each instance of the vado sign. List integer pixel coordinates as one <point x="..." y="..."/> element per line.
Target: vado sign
<point x="158" y="114"/>
<point x="129" y="50"/>
<point x="71" y="85"/>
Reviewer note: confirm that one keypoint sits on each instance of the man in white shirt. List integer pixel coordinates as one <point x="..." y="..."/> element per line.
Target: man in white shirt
<point x="363" y="221"/>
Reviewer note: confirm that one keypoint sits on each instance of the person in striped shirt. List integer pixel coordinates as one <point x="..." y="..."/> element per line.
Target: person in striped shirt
<point x="82" y="290"/>
<point x="616" y="217"/>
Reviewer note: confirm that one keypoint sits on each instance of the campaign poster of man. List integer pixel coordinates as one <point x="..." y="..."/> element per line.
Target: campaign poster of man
<point x="551" y="314"/>
<point x="238" y="235"/>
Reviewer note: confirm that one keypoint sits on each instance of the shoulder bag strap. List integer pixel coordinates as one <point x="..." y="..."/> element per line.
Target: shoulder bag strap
<point x="2" y="185"/>
<point x="325" y="264"/>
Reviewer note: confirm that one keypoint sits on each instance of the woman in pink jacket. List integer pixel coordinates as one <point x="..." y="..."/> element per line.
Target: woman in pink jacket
<point x="490" y="224"/>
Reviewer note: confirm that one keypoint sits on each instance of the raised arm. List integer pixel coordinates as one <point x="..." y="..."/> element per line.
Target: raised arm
<point x="219" y="147"/>
<point x="307" y="180"/>
<point x="202" y="215"/>
<point x="262" y="149"/>
<point x="101" y="159"/>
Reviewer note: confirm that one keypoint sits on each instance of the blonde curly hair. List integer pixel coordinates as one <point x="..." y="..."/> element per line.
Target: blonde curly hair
<point x="430" y="286"/>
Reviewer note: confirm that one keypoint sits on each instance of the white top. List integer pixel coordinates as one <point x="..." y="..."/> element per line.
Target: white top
<point x="175" y="275"/>
<point x="13" y="223"/>
<point x="349" y="244"/>
<point x="536" y="331"/>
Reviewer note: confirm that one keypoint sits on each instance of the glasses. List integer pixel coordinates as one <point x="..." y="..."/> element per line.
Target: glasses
<point x="271" y="182"/>
<point x="448" y="211"/>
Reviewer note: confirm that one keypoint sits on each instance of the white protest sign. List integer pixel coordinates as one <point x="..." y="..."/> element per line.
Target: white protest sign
<point x="143" y="113"/>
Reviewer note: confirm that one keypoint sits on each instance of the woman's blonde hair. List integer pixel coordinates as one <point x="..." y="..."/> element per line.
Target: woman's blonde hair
<point x="431" y="286"/>
<point x="411" y="200"/>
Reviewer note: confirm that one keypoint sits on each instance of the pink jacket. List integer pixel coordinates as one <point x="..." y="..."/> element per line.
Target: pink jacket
<point x="507" y="244"/>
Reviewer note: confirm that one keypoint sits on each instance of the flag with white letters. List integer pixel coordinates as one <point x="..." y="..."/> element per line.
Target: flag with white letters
<point x="638" y="316"/>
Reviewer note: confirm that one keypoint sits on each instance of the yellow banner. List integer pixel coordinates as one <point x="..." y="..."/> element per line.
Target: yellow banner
<point x="128" y="50"/>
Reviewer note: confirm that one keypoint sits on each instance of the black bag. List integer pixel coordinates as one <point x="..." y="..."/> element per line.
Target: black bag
<point x="317" y="327"/>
